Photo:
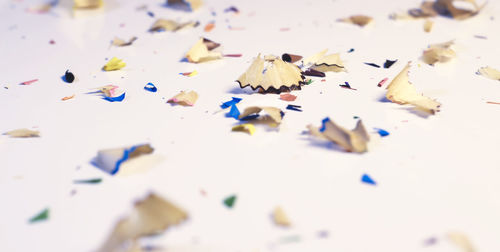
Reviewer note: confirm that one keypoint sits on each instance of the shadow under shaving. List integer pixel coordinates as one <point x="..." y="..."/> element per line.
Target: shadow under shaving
<point x="417" y="112"/>
<point x="323" y="144"/>
<point x="384" y="99"/>
<point x="237" y="90"/>
<point x="262" y="120"/>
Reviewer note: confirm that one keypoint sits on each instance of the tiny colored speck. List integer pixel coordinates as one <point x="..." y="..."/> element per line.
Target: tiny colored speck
<point x="43" y="215"/>
<point x="381" y="132"/>
<point x="368" y="180"/>
<point x="88" y="181"/>
<point x="229" y="201"/>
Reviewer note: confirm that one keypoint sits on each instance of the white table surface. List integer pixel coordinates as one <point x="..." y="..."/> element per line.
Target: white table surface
<point x="435" y="175"/>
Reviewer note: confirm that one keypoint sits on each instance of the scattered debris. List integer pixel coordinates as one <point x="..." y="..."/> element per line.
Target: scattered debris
<point x="114" y="64"/>
<point x="359" y="20"/>
<point x="28" y="82"/>
<point x="230" y="201"/>
<point x="202" y="51"/>
<point x="184" y="99"/>
<point x="381" y="132"/>
<point x="110" y="160"/>
<point x="42" y="8"/>
<point x="401" y="91"/>
<point x="170" y="25"/>
<point x="150" y="87"/>
<point x="22" y="133"/>
<point x="290" y="58"/>
<point x="209" y="27"/>
<point x="489" y="72"/>
<point x="442" y="8"/>
<point x="350" y="140"/>
<point x="191" y="4"/>
<point x="120" y="42"/>
<point x="87" y="4"/>
<point x="68" y="97"/>
<point x="372" y="64"/>
<point x="288" y="97"/>
<point x="69" y="77"/>
<point x="233" y="55"/>
<point x="88" y="181"/>
<point x="322" y="234"/>
<point x="346" y="85"/>
<point x="189" y="74"/>
<point x="428" y="24"/>
<point x="41" y="216"/>
<point x="325" y="63"/>
<point x="275" y="114"/>
<point x="368" y="180"/>
<point x="233" y="112"/>
<point x="430" y="241"/>
<point x="118" y="98"/>
<point x="245" y="127"/>
<point x="294" y="107"/>
<point x="149" y="216"/>
<point x="233" y="101"/>
<point x="389" y="63"/>
<point x="382" y="82"/>
<point x="232" y="9"/>
<point x="278" y="76"/>
<point x="438" y="53"/>
<point x="461" y="240"/>
<point x="110" y="93"/>
<point x="280" y="218"/>
<point x="314" y="73"/>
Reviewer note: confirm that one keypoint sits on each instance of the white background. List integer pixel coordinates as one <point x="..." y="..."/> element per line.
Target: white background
<point x="435" y="175"/>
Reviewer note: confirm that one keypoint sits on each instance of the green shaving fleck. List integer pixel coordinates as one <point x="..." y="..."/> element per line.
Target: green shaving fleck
<point x="356" y="117"/>
<point x="229" y="201"/>
<point x="88" y="181"/>
<point x="309" y="81"/>
<point x="43" y="215"/>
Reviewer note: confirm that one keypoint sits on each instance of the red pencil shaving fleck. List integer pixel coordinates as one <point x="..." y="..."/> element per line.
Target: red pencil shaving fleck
<point x="323" y="80"/>
<point x="186" y="73"/>
<point x="28" y="82"/>
<point x="233" y="55"/>
<point x="382" y="82"/>
<point x="288" y="97"/>
<point x="284" y="29"/>
<point x="490" y="102"/>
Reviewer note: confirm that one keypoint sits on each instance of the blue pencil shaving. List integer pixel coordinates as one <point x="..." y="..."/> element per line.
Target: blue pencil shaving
<point x="150" y="87"/>
<point x="294" y="107"/>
